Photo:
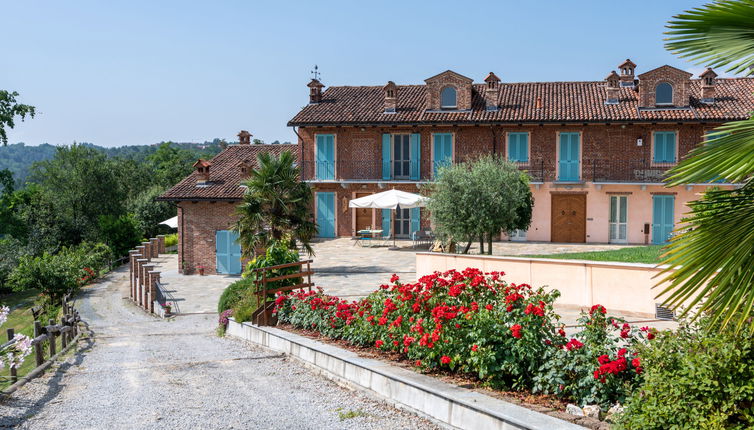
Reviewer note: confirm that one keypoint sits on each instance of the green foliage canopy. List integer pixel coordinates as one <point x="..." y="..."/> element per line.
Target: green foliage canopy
<point x="478" y="199"/>
<point x="10" y="109"/>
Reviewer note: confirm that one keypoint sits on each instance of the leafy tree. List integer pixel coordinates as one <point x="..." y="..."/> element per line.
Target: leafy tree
<point x="150" y="213"/>
<point x="171" y="164"/>
<point x="9" y="110"/>
<point x="712" y="264"/>
<point x="478" y="200"/>
<point x="81" y="185"/>
<point x="276" y="206"/>
<point x="257" y="142"/>
<point x="119" y="233"/>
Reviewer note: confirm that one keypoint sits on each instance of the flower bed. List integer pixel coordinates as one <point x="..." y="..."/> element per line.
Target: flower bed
<point x="470" y="322"/>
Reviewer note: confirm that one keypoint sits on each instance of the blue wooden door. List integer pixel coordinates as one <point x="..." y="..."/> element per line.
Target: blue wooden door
<point x="325" y="157"/>
<point x="227" y="252"/>
<point x="568" y="163"/>
<point x="443" y="151"/>
<point x="326" y="214"/>
<point x="662" y="218"/>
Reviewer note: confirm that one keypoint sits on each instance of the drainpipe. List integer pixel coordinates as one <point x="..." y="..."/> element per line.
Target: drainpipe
<point x="494" y="140"/>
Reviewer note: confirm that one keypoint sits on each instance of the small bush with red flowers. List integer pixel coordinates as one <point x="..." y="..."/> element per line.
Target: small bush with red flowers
<point x="474" y="323"/>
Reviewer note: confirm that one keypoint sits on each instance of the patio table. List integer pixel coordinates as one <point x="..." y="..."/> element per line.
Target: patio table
<point x="367" y="236"/>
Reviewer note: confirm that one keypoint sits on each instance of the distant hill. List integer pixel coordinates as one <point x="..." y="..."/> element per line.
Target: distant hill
<point x="19" y="158"/>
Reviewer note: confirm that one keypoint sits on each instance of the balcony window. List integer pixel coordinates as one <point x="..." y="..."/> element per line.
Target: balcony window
<point x="518" y="147"/>
<point x="401" y="156"/>
<point x="664" y="147"/>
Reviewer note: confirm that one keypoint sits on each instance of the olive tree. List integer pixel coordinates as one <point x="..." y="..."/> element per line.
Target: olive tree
<point x="478" y="200"/>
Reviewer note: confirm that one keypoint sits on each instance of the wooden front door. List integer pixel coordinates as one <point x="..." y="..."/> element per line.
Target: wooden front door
<point x="568" y="218"/>
<point x="363" y="216"/>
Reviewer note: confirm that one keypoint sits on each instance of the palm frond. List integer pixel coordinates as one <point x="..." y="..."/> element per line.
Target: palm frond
<point x="717" y="34"/>
<point x="712" y="264"/>
<point x="726" y="155"/>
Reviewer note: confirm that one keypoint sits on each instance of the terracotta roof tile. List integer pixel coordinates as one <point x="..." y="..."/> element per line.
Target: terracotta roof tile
<point x="225" y="174"/>
<point x="561" y="102"/>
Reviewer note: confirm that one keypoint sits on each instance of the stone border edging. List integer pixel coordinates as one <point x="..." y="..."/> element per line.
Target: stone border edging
<point x="441" y="401"/>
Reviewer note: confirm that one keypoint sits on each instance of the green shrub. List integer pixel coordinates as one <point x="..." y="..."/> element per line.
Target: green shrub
<point x="245" y="307"/>
<point x="233" y="294"/>
<point x="276" y="254"/>
<point x="119" y="233"/>
<point x="700" y="377"/>
<point x="55" y="275"/>
<point x="171" y="239"/>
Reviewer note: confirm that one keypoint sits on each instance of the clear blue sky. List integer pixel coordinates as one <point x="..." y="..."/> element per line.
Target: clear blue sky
<point x="139" y="72"/>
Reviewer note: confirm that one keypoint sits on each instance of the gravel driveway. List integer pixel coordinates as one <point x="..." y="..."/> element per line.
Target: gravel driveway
<point x="140" y="372"/>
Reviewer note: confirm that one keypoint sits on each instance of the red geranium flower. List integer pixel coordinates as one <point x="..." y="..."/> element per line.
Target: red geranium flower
<point x="516" y="331"/>
<point x="474" y="347"/>
<point x="445" y="359"/>
<point x="379" y="343"/>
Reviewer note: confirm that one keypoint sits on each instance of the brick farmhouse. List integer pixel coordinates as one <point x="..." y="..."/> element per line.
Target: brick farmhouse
<point x="207" y="201"/>
<point x="596" y="153"/>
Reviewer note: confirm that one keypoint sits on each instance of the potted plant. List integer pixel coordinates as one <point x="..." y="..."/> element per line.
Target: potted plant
<point x="186" y="268"/>
<point x="200" y="268"/>
<point x="167" y="307"/>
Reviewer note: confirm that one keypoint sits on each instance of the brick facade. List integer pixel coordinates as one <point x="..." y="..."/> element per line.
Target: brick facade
<point x="197" y="224"/>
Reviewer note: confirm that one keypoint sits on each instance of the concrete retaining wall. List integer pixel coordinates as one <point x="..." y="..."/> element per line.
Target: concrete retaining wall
<point x="428" y="396"/>
<point x="624" y="287"/>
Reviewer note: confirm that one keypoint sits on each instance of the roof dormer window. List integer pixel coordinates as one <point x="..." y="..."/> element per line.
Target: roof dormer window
<point x="448" y="98"/>
<point x="664" y="94"/>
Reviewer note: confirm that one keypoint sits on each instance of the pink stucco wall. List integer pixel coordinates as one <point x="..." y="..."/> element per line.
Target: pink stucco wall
<point x="620" y="287"/>
<point x="598" y="208"/>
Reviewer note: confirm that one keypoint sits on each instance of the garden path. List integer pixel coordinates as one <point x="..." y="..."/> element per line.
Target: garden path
<point x="141" y="372"/>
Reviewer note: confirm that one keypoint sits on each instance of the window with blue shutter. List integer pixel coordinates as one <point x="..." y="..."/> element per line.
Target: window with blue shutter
<point x="664" y="147"/>
<point x="442" y="150"/>
<point x="568" y="163"/>
<point x="325" y="157"/>
<point x="227" y="252"/>
<point x="518" y="147"/>
<point x="662" y="218"/>
<point x="326" y="214"/>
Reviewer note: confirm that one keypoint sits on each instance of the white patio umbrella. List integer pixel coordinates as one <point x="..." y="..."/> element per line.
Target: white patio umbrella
<point x="390" y="199"/>
<point x="171" y="222"/>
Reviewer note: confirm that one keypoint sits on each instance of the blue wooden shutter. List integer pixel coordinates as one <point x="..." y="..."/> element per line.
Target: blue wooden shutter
<point x="234" y="253"/>
<point x="386" y="222"/>
<point x="569" y="157"/>
<point x="662" y="218"/>
<point x="326" y="214"/>
<point x="325" y="162"/>
<point x="443" y="151"/>
<point x="415" y="156"/>
<point x="658" y="153"/>
<point x="523" y="147"/>
<point x="670" y="147"/>
<point x="415" y="220"/>
<point x="221" y="251"/>
<point x="386" y="156"/>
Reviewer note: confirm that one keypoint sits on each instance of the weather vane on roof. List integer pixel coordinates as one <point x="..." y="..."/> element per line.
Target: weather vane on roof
<point x="315" y="73"/>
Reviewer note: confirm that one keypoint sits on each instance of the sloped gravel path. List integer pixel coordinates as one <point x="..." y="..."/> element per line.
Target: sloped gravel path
<point x="138" y="372"/>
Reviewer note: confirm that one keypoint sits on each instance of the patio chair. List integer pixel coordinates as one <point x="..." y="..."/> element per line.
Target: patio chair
<point x="421" y="237"/>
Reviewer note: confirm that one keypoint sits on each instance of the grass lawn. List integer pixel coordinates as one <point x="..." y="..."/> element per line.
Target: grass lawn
<point x="20" y="319"/>
<point x="636" y="254"/>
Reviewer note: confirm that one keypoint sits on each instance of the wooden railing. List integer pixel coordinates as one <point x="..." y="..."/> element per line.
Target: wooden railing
<point x="67" y="331"/>
<point x="263" y="314"/>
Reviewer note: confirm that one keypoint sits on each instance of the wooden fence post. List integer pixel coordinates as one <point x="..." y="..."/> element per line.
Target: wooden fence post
<point x="51" y="337"/>
<point x="63" y="336"/>
<point x="38" y="353"/>
<point x="13" y="374"/>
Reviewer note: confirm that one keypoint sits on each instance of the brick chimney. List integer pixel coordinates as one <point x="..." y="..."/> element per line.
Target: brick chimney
<point x="491" y="91"/>
<point x="315" y="91"/>
<point x="244" y="137"/>
<point x="391" y="97"/>
<point x="245" y="168"/>
<point x="202" y="168"/>
<point x="627" y="69"/>
<point x="612" y="88"/>
<point x="708" y="86"/>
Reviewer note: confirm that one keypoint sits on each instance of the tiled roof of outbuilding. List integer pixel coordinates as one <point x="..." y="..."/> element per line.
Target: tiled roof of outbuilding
<point x="225" y="174"/>
<point x="561" y="102"/>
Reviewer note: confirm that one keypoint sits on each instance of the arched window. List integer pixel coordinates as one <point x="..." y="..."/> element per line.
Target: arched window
<point x="664" y="94"/>
<point x="448" y="98"/>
